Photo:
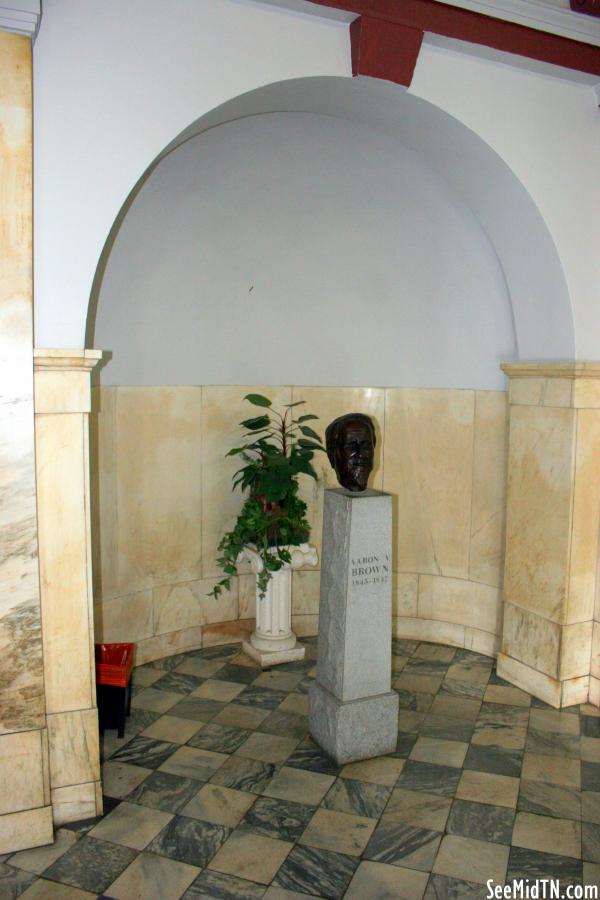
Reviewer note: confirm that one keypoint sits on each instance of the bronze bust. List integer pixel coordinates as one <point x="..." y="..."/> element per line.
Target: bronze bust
<point x="350" y="443"/>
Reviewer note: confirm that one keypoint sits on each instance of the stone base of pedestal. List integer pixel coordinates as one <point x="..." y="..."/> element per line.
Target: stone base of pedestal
<point x="266" y="658"/>
<point x="355" y="729"/>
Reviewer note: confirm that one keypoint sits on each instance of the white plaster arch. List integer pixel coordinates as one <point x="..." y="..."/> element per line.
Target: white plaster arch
<point x="525" y="249"/>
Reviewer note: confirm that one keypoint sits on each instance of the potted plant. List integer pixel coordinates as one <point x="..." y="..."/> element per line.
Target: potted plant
<point x="271" y="531"/>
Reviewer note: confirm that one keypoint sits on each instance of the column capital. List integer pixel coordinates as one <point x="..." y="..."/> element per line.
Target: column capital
<point x="589" y="369"/>
<point x="76" y="360"/>
<point x="62" y="380"/>
<point x="575" y="385"/>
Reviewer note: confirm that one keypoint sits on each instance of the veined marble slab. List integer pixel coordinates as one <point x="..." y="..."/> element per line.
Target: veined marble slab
<point x="21" y="675"/>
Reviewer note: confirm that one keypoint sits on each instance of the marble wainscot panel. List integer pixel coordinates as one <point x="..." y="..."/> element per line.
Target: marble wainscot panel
<point x="157" y="618"/>
<point x="25" y="814"/>
<point x="553" y="519"/>
<point x="353" y="713"/>
<point x="159" y="453"/>
<point x="428" y="456"/>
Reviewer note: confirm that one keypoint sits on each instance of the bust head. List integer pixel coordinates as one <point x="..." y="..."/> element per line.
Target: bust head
<point x="350" y="444"/>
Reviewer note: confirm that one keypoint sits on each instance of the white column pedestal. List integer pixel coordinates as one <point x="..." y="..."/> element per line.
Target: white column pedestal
<point x="273" y="641"/>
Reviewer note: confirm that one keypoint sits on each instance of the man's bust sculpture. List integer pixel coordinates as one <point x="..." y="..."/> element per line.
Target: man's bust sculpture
<point x="350" y="445"/>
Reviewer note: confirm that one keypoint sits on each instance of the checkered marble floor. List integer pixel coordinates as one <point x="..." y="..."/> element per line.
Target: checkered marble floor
<point x="217" y="791"/>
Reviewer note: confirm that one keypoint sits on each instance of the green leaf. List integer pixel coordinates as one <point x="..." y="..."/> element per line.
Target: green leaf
<point x="235" y="451"/>
<point x="257" y="399"/>
<point x="297" y="403"/>
<point x="310" y="433"/>
<point x="259" y="422"/>
<point x="309" y="445"/>
<point x="305" y="418"/>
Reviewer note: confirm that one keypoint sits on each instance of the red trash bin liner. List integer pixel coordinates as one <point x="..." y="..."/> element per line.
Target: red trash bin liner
<point x="114" y="663"/>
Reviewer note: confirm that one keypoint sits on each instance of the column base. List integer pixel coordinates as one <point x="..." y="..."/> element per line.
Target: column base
<point x="266" y="658"/>
<point x="355" y="729"/>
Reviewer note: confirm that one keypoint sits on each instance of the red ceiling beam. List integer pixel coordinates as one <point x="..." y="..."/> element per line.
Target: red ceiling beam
<point x="384" y="49"/>
<point x="463" y="25"/>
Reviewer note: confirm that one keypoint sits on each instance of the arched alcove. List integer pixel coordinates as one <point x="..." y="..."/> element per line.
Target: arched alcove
<point x="350" y="245"/>
<point x="296" y="248"/>
<point x="381" y="121"/>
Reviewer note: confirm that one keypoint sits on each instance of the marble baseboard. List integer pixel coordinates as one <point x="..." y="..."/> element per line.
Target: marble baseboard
<point x="594" y="697"/>
<point x="556" y="693"/>
<point x="22" y="830"/>
<point x="575" y="691"/>
<point x="23" y="765"/>
<point x="541" y="686"/>
<point x="431" y="630"/>
<point x="76" y="802"/>
<point x="227" y="632"/>
<point x="74" y="747"/>
<point x="168" y="645"/>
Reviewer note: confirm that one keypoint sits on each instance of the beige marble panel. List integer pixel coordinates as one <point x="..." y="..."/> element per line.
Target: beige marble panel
<point x="103" y="467"/>
<point x="428" y="457"/>
<point x="169" y="644"/>
<point x="305" y="625"/>
<point x="62" y="391"/>
<point x="586" y="393"/>
<point x="306" y="592"/>
<point x="531" y="639"/>
<point x="526" y="391"/>
<point x="429" y="630"/>
<point x="74" y="750"/>
<point x="328" y="403"/>
<point x="575" y="650"/>
<point x="76" y="802"/>
<point x="538" y="528"/>
<point x="557" y="392"/>
<point x="586" y="518"/>
<point x="159" y="486"/>
<point x="594" y="697"/>
<point x="188" y="605"/>
<point x="459" y="601"/>
<point x="21" y="771"/>
<point x="488" y="511"/>
<point x="129" y="618"/>
<point x="530" y="680"/>
<point x="541" y="391"/>
<point x="62" y="493"/>
<point x="22" y="830"/>
<point x="404" y="594"/>
<point x="223" y="408"/>
<point x="21" y="680"/>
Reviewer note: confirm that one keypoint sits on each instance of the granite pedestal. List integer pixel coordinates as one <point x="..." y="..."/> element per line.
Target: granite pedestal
<point x="353" y="712"/>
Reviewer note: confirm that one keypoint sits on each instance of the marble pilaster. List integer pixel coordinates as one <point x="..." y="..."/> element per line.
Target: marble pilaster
<point x="25" y="816"/>
<point x="553" y="518"/>
<point x="62" y="406"/>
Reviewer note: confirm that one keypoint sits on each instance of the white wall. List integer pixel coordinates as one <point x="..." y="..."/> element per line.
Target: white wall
<point x="548" y="132"/>
<point x="294" y="248"/>
<point x="116" y="82"/>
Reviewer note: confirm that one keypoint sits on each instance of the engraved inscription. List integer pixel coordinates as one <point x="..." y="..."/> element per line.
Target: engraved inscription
<point x="370" y="569"/>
